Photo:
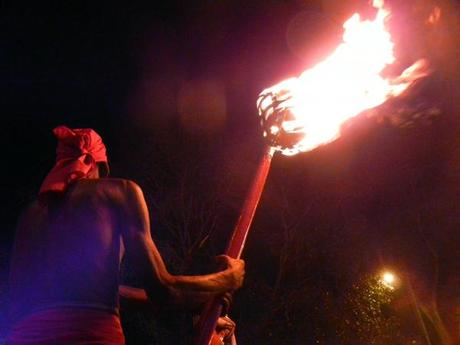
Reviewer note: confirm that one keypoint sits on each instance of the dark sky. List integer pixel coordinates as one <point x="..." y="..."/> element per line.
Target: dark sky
<point x="139" y="74"/>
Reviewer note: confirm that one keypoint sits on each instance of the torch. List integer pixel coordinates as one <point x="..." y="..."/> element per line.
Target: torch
<point x="301" y="113"/>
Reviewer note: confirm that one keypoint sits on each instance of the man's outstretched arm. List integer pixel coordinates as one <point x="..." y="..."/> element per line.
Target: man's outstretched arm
<point x="160" y="284"/>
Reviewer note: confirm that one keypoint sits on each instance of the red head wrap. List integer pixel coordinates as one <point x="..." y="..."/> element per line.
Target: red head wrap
<point x="77" y="153"/>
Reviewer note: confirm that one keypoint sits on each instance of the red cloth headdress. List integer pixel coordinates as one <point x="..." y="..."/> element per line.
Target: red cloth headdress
<point x="77" y="153"/>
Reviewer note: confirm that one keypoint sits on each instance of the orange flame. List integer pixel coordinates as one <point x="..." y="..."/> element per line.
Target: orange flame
<point x="343" y="85"/>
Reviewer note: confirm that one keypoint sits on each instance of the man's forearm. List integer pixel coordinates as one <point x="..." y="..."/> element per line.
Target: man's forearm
<point x="211" y="283"/>
<point x="133" y="298"/>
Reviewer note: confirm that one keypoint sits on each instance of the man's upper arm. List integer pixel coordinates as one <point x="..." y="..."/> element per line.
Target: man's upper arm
<point x="136" y="221"/>
<point x="135" y="230"/>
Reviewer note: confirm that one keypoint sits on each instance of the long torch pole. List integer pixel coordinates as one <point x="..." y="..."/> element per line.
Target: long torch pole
<point x="213" y="309"/>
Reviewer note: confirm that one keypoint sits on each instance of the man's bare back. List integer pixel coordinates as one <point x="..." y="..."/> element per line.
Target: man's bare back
<point x="82" y="236"/>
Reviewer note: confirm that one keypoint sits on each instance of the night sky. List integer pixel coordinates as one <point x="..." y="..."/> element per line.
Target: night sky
<point x="171" y="87"/>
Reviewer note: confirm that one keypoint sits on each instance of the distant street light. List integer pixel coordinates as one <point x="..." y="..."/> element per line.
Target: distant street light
<point x="388" y="279"/>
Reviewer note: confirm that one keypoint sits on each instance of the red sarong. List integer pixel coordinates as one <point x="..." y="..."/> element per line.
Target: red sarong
<point x="68" y="326"/>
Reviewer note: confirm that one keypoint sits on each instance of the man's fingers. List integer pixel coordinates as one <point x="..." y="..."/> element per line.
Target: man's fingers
<point x="225" y="322"/>
<point x="229" y="322"/>
<point x="223" y="259"/>
<point x="230" y="262"/>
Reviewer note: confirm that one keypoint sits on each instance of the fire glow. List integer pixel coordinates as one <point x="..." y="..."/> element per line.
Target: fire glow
<point x="349" y="81"/>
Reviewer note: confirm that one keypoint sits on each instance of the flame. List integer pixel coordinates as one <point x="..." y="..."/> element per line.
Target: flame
<point x="343" y="85"/>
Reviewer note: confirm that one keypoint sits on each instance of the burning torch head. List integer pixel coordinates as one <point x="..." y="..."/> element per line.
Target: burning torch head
<point x="275" y="111"/>
<point x="301" y="113"/>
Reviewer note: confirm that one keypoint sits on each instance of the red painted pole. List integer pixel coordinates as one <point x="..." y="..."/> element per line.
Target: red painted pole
<point x="213" y="309"/>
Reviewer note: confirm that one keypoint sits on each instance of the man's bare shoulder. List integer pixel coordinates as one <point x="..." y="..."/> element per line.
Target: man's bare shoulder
<point x="118" y="183"/>
<point x="128" y="188"/>
<point x="114" y="188"/>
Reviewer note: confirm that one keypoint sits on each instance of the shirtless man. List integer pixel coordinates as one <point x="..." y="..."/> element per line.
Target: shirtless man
<point x="64" y="276"/>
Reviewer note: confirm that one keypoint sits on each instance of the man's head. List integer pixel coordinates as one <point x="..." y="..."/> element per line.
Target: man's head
<point x="80" y="154"/>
